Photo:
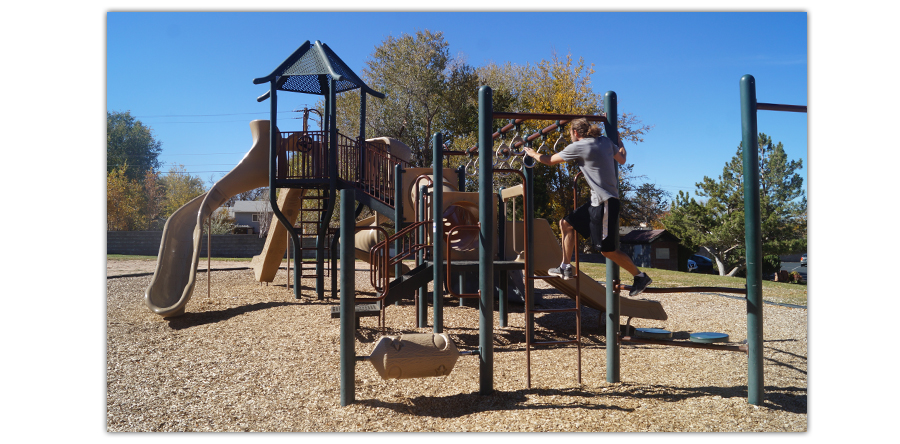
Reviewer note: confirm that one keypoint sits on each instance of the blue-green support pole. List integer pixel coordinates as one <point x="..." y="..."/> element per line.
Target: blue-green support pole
<point x="348" y="298"/>
<point x="422" y="312"/>
<point x="529" y="244"/>
<point x="503" y="279"/>
<point x="398" y="214"/>
<point x="610" y="105"/>
<point x="330" y="102"/>
<point x="437" y="252"/>
<point x="486" y="248"/>
<point x="273" y="198"/>
<point x="753" y="241"/>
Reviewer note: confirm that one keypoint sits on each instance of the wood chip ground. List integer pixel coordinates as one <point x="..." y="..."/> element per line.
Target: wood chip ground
<point x="250" y="357"/>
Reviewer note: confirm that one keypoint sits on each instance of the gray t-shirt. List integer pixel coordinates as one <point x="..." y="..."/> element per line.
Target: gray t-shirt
<point x="594" y="155"/>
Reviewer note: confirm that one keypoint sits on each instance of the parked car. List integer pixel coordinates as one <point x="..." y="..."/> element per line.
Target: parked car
<point x="699" y="264"/>
<point x="803" y="260"/>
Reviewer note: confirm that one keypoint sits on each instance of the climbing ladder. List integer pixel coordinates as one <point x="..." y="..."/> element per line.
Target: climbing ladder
<point x="310" y="226"/>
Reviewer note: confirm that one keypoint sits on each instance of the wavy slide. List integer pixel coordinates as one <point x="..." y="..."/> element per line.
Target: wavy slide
<point x="179" y="251"/>
<point x="593" y="294"/>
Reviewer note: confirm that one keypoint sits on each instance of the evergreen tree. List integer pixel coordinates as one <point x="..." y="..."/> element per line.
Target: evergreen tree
<point x="716" y="224"/>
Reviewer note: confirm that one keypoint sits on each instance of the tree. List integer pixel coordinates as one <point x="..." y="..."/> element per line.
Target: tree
<point x="180" y="188"/>
<point x="128" y="141"/>
<point x="646" y="206"/>
<point x="154" y="194"/>
<point x="124" y="202"/>
<point x="717" y="224"/>
<point x="558" y="85"/>
<point x="426" y="90"/>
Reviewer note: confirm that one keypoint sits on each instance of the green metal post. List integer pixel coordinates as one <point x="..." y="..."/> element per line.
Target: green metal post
<point x="348" y="299"/>
<point x="437" y="252"/>
<point x="486" y="249"/>
<point x="753" y="241"/>
<point x="273" y="198"/>
<point x="422" y="314"/>
<point x="529" y="246"/>
<point x="613" y="374"/>
<point x="398" y="215"/>
<point x="330" y="102"/>
<point x="503" y="279"/>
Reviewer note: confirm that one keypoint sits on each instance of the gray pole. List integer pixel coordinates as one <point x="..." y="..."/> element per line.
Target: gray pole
<point x="752" y="241"/>
<point x="437" y="252"/>
<point x="348" y="298"/>
<point x="610" y="105"/>
<point x="486" y="249"/>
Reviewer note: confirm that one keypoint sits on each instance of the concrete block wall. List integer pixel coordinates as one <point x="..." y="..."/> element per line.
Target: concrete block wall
<point x="146" y="243"/>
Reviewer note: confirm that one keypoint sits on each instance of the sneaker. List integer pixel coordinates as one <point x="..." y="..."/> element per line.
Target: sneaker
<point x="640" y="283"/>
<point x="563" y="271"/>
<point x="556" y="272"/>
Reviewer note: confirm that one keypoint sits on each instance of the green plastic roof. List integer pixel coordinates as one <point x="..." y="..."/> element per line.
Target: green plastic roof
<point x="309" y="70"/>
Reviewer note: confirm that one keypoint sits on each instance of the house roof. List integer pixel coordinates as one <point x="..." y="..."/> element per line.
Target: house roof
<point x="646" y="236"/>
<point x="251" y="206"/>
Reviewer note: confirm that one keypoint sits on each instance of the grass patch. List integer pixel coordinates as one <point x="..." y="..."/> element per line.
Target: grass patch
<point x="778" y="292"/>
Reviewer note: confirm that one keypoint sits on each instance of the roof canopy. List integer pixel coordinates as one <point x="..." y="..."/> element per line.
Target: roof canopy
<point x="310" y="69"/>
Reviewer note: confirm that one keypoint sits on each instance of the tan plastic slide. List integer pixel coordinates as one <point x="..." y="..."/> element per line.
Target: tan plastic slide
<point x="179" y="251"/>
<point x="265" y="265"/>
<point x="548" y="254"/>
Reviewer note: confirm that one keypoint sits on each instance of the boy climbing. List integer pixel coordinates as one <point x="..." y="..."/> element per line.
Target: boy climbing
<point x="594" y="155"/>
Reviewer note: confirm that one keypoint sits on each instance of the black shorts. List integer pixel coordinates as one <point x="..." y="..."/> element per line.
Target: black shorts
<point x="596" y="223"/>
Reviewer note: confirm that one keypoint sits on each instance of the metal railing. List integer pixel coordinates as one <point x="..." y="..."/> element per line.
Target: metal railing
<point x="304" y="155"/>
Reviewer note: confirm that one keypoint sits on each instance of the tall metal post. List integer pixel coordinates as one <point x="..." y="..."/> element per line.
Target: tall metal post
<point x="529" y="247"/>
<point x="752" y="241"/>
<point x="437" y="251"/>
<point x="421" y="301"/>
<point x="398" y="216"/>
<point x="348" y="298"/>
<point x="486" y="249"/>
<point x="503" y="278"/>
<point x="610" y="105"/>
<point x="273" y="197"/>
<point x="332" y="187"/>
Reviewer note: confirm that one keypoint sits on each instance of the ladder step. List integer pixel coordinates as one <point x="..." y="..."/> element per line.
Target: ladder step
<point x="554" y="342"/>
<point x="554" y="310"/>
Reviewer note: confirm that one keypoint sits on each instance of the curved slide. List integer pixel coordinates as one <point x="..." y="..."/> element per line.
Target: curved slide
<point x="265" y="265"/>
<point x="593" y="294"/>
<point x="179" y="250"/>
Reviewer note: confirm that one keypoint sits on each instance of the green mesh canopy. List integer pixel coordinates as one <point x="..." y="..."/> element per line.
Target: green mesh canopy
<point x="311" y="68"/>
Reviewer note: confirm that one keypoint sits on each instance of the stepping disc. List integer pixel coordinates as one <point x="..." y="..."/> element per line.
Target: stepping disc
<point x="652" y="333"/>
<point x="708" y="337"/>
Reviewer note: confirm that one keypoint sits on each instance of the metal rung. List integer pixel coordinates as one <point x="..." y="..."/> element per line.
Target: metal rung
<point x="572" y="341"/>
<point x="549" y="277"/>
<point x="554" y="310"/>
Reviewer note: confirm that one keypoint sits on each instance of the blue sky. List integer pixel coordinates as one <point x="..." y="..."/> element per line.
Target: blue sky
<point x="189" y="75"/>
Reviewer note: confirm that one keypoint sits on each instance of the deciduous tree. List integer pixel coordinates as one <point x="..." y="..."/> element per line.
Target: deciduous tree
<point x="125" y="201"/>
<point x="128" y="141"/>
<point x="180" y="188"/>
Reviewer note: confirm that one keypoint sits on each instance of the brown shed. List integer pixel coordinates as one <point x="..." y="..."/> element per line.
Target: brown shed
<point x="651" y="248"/>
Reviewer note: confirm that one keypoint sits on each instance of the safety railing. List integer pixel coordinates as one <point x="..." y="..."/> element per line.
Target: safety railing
<point x="304" y="155"/>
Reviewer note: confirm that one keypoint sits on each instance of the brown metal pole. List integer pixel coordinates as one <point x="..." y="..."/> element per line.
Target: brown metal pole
<point x="778" y="107"/>
<point x="288" y="251"/>
<point x="208" y="253"/>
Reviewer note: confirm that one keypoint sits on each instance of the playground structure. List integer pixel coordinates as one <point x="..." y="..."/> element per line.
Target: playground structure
<point x="317" y="166"/>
